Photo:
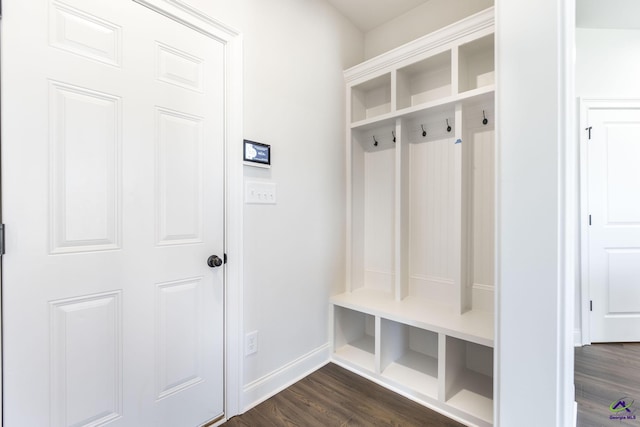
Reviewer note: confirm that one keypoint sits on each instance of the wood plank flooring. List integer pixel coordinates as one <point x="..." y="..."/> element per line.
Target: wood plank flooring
<point x="333" y="396"/>
<point x="604" y="374"/>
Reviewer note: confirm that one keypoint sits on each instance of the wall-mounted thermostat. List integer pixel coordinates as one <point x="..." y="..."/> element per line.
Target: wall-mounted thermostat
<point x="257" y="154"/>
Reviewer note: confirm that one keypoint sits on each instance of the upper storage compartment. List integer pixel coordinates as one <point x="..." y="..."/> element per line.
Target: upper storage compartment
<point x="424" y="81"/>
<point x="476" y="67"/>
<point x="450" y="65"/>
<point x="371" y="98"/>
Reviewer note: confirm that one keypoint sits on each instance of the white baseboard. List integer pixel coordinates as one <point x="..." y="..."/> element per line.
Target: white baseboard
<point x="267" y="386"/>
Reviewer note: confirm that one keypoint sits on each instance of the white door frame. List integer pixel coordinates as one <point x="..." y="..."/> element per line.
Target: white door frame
<point x="587" y="104"/>
<point x="233" y="177"/>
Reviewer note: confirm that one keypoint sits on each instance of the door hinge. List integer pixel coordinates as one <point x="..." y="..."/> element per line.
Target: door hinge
<point x="224" y="259"/>
<point x="1" y="239"/>
<point x="591" y="305"/>
<point x="589" y="130"/>
<point x="589" y="219"/>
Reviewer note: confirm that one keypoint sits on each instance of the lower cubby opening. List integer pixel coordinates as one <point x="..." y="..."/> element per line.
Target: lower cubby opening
<point x="469" y="378"/>
<point x="354" y="337"/>
<point x="409" y="357"/>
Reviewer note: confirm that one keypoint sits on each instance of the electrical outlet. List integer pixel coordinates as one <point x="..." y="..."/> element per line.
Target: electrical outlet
<point x="251" y="343"/>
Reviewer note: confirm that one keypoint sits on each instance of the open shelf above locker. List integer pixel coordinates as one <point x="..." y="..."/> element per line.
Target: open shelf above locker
<point x="476" y="64"/>
<point x="424" y="81"/>
<point x="371" y="98"/>
<point x="388" y="119"/>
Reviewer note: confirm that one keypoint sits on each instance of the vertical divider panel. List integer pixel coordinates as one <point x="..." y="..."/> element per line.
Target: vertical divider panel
<point x="455" y="70"/>
<point x="466" y="213"/>
<point x="457" y="214"/>
<point x="442" y="367"/>
<point x="349" y="194"/>
<point x="455" y="365"/>
<point x="394" y="90"/>
<point x="402" y="209"/>
<point x="396" y="340"/>
<point x="378" y="345"/>
<point x="356" y="217"/>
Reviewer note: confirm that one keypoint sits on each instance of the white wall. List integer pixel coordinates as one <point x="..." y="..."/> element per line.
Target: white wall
<point x="295" y="52"/>
<point x="422" y="20"/>
<point x="607" y="66"/>
<point x="534" y="366"/>
<point x="607" y="63"/>
<point x="294" y="55"/>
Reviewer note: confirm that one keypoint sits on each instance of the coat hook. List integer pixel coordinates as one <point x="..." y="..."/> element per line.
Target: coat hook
<point x="424" y="132"/>
<point x="484" y="118"/>
<point x="375" y="142"/>
<point x="394" y="135"/>
<point x="448" y="126"/>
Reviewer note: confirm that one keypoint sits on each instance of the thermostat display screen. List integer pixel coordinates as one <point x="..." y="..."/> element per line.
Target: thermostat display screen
<point x="257" y="152"/>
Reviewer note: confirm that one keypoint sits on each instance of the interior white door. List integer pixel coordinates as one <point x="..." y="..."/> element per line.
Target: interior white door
<point x="613" y="180"/>
<point x="112" y="195"/>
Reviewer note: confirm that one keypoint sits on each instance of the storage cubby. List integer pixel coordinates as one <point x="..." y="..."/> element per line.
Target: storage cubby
<point x="373" y="212"/>
<point x="476" y="67"/>
<point x="424" y="81"/>
<point x="415" y="313"/>
<point x="371" y="98"/>
<point x="409" y="357"/>
<point x="354" y="337"/>
<point x="469" y="378"/>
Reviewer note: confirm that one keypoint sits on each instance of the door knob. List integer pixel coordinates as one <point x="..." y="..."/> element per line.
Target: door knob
<point x="214" y="261"/>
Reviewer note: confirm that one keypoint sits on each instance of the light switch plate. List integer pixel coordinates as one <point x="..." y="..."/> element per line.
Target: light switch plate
<point x="263" y="193"/>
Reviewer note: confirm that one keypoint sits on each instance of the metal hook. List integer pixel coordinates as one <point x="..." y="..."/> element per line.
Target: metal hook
<point x="394" y="135"/>
<point x="375" y="142"/>
<point x="484" y="119"/>
<point x="448" y="126"/>
<point x="424" y="132"/>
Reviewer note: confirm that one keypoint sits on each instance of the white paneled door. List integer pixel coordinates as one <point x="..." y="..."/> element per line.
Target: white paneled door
<point x="613" y="236"/>
<point x="112" y="195"/>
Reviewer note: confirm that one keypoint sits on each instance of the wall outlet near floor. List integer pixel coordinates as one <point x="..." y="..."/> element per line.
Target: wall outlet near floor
<point x="251" y="343"/>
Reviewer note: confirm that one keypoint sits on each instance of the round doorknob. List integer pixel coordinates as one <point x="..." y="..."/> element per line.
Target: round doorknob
<point x="214" y="261"/>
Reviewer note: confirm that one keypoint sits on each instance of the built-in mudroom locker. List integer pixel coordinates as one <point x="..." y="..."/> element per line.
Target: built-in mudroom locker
<point x="415" y="312"/>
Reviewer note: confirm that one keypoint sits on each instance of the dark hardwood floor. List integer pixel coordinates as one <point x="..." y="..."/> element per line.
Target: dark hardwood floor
<point x="333" y="396"/>
<point x="605" y="374"/>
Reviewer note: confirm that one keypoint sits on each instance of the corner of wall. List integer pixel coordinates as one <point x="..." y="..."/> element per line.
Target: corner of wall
<point x="422" y="20"/>
<point x="274" y="382"/>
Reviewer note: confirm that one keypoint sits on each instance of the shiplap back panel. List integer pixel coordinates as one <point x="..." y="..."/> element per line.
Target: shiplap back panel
<point x="379" y="215"/>
<point x="431" y="221"/>
<point x="483" y="205"/>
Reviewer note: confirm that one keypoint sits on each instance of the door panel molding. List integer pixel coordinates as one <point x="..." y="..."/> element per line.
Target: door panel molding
<point x="233" y="177"/>
<point x="232" y="40"/>
<point x="588" y="105"/>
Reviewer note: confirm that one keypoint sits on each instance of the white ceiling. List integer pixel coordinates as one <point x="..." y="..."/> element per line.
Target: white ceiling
<point x="368" y="14"/>
<point x="616" y="14"/>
